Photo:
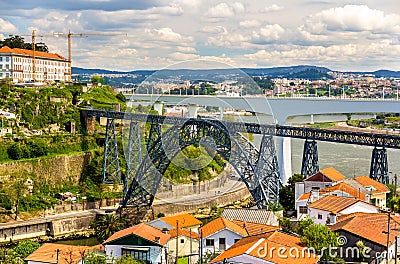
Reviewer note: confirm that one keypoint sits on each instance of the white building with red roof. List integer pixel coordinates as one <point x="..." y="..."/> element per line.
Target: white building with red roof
<point x="21" y="66"/>
<point x="142" y="241"/>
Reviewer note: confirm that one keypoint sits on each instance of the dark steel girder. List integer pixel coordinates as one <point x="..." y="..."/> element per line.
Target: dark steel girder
<point x="338" y="136"/>
<point x="258" y="172"/>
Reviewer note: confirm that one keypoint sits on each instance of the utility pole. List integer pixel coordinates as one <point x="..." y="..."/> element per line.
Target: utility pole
<point x="177" y="236"/>
<point x="395" y="185"/>
<point x="190" y="237"/>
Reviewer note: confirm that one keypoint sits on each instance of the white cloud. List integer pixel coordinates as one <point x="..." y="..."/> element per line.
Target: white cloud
<point x="7" y="27"/>
<point x="272" y="8"/>
<point x="224" y="10"/>
<point x="186" y="49"/>
<point x="166" y="34"/>
<point x="250" y="23"/>
<point x="353" y="18"/>
<point x="268" y="33"/>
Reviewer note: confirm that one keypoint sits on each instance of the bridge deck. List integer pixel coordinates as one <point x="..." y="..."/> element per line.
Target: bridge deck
<point x="338" y="136"/>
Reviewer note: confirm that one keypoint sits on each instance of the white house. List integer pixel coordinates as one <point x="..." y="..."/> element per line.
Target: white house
<point x="187" y="243"/>
<point x="267" y="248"/>
<point x="142" y="241"/>
<point x="327" y="209"/>
<point x="219" y="235"/>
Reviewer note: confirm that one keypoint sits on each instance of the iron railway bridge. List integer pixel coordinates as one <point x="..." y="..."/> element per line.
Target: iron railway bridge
<point x="257" y="167"/>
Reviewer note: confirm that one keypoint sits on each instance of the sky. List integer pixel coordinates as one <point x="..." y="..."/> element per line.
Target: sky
<point x="358" y="35"/>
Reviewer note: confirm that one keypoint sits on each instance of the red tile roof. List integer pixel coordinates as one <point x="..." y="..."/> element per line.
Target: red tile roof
<point x="334" y="204"/>
<point x="254" y="228"/>
<point x="219" y="224"/>
<point x="142" y="230"/>
<point x="67" y="254"/>
<point x="367" y="181"/>
<point x="183" y="232"/>
<point x="184" y="220"/>
<point x="372" y="227"/>
<point x="251" y="246"/>
<point x="328" y="174"/>
<point x="38" y="54"/>
<point x="342" y="186"/>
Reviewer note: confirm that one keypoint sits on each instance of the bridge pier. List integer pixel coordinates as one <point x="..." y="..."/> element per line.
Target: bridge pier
<point x="285" y="158"/>
<point x="159" y="108"/>
<point x="379" y="165"/>
<point x="192" y="110"/>
<point x="309" y="165"/>
<point x="111" y="172"/>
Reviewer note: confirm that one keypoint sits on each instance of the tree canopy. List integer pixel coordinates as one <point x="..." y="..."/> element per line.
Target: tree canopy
<point x="19" y="42"/>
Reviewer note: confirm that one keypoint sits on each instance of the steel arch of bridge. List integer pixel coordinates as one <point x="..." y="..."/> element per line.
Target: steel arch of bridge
<point x="257" y="169"/>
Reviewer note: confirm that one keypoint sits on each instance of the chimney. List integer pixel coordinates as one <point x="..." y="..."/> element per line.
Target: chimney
<point x="164" y="230"/>
<point x="332" y="218"/>
<point x="157" y="239"/>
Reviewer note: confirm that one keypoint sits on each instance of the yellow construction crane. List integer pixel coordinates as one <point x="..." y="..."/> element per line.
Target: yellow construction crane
<point x="69" y="35"/>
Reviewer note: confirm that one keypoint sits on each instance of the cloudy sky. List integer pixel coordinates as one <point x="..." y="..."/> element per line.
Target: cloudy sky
<point x="340" y="35"/>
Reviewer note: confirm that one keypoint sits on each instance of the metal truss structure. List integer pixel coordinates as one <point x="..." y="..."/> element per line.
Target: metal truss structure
<point x="336" y="136"/>
<point x="257" y="170"/>
<point x="309" y="165"/>
<point x="379" y="165"/>
<point x="111" y="171"/>
<point x="133" y="154"/>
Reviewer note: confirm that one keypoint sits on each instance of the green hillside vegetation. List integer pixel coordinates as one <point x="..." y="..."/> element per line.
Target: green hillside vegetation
<point x="194" y="163"/>
<point x="102" y="97"/>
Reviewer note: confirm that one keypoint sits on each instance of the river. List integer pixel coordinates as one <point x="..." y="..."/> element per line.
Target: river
<point x="350" y="160"/>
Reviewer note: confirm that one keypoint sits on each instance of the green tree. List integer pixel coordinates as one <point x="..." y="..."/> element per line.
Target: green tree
<point x="318" y="236"/>
<point x="92" y="258"/>
<point x="285" y="224"/>
<point x="121" y="97"/>
<point x="97" y="79"/>
<point x="286" y="193"/>
<point x="25" y="248"/>
<point x="127" y="259"/>
<point x="107" y="225"/>
<point x="302" y="225"/>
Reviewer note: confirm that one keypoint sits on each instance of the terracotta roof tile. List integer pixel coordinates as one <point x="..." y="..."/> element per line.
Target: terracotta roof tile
<point x="254" y="228"/>
<point x="219" y="224"/>
<point x="333" y="174"/>
<point x="67" y="254"/>
<point x="183" y="232"/>
<point x="367" y="181"/>
<point x="38" y="54"/>
<point x="361" y="224"/>
<point x="145" y="231"/>
<point x="334" y="204"/>
<point x="184" y="220"/>
<point x="250" y="246"/>
<point x="342" y="186"/>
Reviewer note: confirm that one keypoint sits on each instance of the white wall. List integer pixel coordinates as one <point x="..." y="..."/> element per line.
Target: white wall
<point x="183" y="248"/>
<point x="360" y="207"/>
<point x="224" y="233"/>
<point x="157" y="254"/>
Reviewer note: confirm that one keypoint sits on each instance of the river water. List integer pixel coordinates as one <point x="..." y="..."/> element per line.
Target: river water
<point x="350" y="160"/>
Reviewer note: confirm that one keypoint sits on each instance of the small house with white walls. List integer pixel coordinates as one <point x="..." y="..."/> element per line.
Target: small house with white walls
<point x="327" y="209"/>
<point x="219" y="235"/>
<point x="141" y="241"/>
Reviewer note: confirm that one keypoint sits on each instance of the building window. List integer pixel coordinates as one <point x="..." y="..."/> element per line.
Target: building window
<point x="1" y="58"/>
<point x="209" y="242"/>
<point x="7" y="59"/>
<point x="137" y="253"/>
<point x="303" y="209"/>
<point x="222" y="243"/>
<point x="182" y="240"/>
<point x="319" y="216"/>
